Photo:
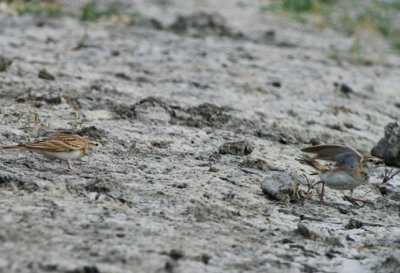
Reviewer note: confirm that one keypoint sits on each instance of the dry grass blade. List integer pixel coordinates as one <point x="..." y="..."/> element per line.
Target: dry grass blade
<point x="389" y="175"/>
<point x="310" y="186"/>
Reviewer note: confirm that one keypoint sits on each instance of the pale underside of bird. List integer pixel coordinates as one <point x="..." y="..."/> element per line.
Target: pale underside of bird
<point x="351" y="169"/>
<point x="61" y="147"/>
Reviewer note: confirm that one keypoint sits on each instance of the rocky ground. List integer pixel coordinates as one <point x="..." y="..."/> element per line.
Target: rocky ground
<point x="163" y="95"/>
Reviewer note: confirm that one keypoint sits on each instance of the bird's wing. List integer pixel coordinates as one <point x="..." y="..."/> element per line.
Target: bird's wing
<point x="343" y="156"/>
<point x="60" y="143"/>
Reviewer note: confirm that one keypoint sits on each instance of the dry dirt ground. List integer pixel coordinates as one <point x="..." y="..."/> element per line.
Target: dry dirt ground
<point x="162" y="95"/>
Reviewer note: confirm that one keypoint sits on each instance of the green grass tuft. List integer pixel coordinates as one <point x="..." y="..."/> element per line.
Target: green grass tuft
<point x="396" y="45"/>
<point x="50" y="8"/>
<point x="349" y="16"/>
<point x="298" y="5"/>
<point x="91" y="12"/>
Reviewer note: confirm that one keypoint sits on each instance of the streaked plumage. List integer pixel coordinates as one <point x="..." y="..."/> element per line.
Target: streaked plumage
<point x="62" y="147"/>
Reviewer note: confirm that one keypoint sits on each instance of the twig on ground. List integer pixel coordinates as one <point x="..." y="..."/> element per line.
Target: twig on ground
<point x="389" y="175"/>
<point x="310" y="186"/>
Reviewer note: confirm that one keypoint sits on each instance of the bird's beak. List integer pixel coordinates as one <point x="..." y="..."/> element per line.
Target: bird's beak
<point x="380" y="164"/>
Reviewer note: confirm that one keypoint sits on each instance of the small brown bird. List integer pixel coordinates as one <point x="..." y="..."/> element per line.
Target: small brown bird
<point x="62" y="147"/>
<point x="351" y="168"/>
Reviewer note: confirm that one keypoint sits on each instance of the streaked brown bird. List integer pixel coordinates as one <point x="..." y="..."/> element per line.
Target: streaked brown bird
<point x="351" y="168"/>
<point x="62" y="147"/>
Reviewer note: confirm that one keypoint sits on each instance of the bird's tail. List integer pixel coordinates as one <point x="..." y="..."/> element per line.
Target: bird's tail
<point x="308" y="160"/>
<point x="14" y="147"/>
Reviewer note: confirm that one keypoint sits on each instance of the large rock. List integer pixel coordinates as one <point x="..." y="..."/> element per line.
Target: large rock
<point x="242" y="148"/>
<point x="279" y="186"/>
<point x="388" y="148"/>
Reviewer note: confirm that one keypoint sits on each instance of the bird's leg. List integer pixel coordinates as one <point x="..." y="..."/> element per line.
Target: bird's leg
<point x="354" y="200"/>
<point x="72" y="169"/>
